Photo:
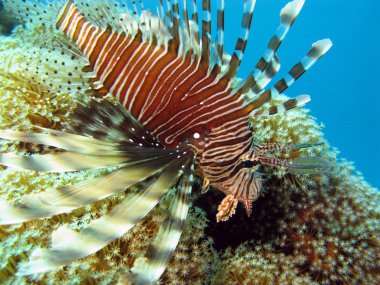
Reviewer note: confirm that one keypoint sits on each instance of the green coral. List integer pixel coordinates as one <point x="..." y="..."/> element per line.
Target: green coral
<point x="318" y="229"/>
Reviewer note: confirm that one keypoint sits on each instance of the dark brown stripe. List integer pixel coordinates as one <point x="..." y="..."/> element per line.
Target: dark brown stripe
<point x="247" y="19"/>
<point x="134" y="66"/>
<point x="112" y="48"/>
<point x="121" y="63"/>
<point x="290" y="104"/>
<point x="99" y="45"/>
<point x="281" y="86"/>
<point x="257" y="103"/>
<point x="78" y="29"/>
<point x="273" y="110"/>
<point x="297" y="70"/>
<point x="274" y="43"/>
<point x="262" y="64"/>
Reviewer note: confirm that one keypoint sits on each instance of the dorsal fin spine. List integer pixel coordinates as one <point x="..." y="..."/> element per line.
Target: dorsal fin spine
<point x="219" y="41"/>
<point x="206" y="32"/>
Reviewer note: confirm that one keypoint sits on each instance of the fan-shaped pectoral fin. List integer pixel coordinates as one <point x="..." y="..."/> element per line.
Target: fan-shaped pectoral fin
<point x="69" y="245"/>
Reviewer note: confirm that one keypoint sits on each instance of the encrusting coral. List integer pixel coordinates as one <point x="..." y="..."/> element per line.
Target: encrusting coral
<point x="326" y="233"/>
<point x="316" y="229"/>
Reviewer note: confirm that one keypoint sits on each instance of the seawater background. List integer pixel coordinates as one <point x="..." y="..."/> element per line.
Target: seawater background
<point x="344" y="85"/>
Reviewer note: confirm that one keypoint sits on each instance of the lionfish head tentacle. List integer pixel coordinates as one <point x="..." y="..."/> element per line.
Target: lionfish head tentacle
<point x="301" y="165"/>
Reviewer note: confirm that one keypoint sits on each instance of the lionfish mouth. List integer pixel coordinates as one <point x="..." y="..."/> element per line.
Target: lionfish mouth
<point x="170" y="80"/>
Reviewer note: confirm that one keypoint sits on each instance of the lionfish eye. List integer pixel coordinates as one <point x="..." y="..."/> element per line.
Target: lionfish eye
<point x="249" y="163"/>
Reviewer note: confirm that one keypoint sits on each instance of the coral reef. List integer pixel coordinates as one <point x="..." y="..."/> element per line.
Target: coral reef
<point x="327" y="233"/>
<point x="316" y="229"/>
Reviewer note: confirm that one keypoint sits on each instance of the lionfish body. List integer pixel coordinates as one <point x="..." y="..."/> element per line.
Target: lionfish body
<point x="181" y="108"/>
<point x="178" y="98"/>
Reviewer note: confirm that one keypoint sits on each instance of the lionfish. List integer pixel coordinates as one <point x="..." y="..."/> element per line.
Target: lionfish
<point x="181" y="111"/>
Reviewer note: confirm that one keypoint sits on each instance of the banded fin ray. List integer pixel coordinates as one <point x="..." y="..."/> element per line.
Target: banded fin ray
<point x="69" y="245"/>
<point x="206" y="32"/>
<point x="282" y="108"/>
<point x="254" y="81"/>
<point x="148" y="269"/>
<point x="67" y="198"/>
<point x="59" y="162"/>
<point x="270" y="72"/>
<point x="59" y="139"/>
<point x="219" y="41"/>
<point x="241" y="44"/>
<point x="129" y="142"/>
<point x="195" y="19"/>
<point x="318" y="49"/>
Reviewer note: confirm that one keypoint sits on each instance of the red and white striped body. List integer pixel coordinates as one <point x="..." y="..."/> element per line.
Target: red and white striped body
<point x="177" y="98"/>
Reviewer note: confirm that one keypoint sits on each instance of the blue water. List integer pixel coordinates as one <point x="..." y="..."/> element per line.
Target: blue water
<point x="344" y="84"/>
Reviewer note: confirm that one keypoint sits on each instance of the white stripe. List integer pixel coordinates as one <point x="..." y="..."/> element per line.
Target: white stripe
<point x="68" y="16"/>
<point x="151" y="97"/>
<point x="142" y="81"/>
<point x="93" y="41"/>
<point x="158" y="81"/>
<point x="105" y="51"/>
<point x="174" y="82"/>
<point x="73" y="26"/>
<point x="166" y="99"/>
<point x="83" y="34"/>
<point x="206" y="16"/>
<point x="130" y="73"/>
<point x="119" y="82"/>
<point x="172" y="122"/>
<point x="170" y="138"/>
<point x="114" y="60"/>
